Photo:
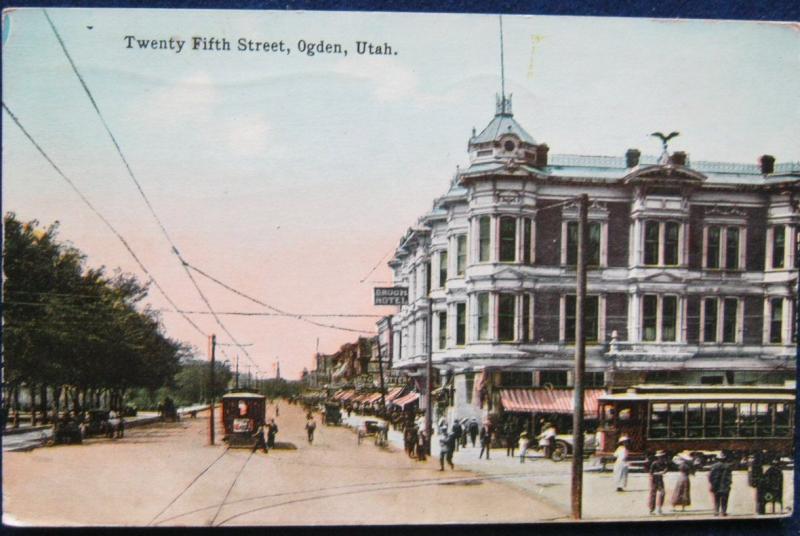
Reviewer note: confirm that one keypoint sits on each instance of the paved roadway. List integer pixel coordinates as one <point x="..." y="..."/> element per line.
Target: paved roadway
<point x="165" y="474"/>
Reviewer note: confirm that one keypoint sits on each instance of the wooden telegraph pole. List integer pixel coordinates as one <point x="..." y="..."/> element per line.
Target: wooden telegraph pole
<point x="211" y="393"/>
<point x="580" y="359"/>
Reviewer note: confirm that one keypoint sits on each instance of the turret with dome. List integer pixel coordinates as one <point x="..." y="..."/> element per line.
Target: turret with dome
<point x="504" y="139"/>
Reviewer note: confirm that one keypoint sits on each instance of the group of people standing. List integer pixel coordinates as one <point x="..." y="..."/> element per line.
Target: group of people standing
<point x="768" y="484"/>
<point x="265" y="436"/>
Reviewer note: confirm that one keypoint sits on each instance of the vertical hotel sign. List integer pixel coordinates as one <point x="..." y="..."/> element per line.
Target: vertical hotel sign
<point x="391" y="295"/>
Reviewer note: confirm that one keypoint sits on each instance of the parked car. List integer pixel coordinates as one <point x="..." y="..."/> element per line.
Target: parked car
<point x="67" y="431"/>
<point x="97" y="422"/>
<point x="563" y="446"/>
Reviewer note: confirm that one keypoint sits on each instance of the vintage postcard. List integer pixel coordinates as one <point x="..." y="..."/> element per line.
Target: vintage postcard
<point x="270" y="268"/>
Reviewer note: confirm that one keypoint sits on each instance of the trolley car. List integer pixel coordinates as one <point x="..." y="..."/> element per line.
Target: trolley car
<point x="242" y="415"/>
<point x="700" y="420"/>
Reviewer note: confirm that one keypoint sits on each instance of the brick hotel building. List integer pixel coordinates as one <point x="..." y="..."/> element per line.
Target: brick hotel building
<point x="691" y="276"/>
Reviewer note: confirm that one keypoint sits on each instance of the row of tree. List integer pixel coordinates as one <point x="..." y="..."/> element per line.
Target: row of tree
<point x="74" y="334"/>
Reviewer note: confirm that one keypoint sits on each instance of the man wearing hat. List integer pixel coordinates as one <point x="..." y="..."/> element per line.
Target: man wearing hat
<point x="720" y="479"/>
<point x="658" y="468"/>
<point x="621" y="463"/>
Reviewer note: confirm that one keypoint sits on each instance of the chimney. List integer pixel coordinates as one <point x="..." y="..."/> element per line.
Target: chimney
<point x="541" y="155"/>
<point x="678" y="158"/>
<point x="767" y="162"/>
<point x="632" y="158"/>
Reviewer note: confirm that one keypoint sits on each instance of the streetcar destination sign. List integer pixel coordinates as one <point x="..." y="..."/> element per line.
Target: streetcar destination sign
<point x="391" y="295"/>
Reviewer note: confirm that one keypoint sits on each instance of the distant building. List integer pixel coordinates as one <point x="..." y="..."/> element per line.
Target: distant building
<point x="692" y="273"/>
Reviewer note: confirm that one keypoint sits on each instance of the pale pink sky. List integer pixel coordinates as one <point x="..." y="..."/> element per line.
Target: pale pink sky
<point x="290" y="177"/>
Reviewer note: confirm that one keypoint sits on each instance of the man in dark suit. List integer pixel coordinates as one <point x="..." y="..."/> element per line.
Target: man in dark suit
<point x="720" y="477"/>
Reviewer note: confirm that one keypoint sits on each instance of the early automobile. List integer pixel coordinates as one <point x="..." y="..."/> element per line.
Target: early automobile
<point x="333" y="414"/>
<point x="67" y="431"/>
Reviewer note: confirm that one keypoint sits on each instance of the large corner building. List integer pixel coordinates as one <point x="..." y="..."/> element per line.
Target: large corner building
<point x="691" y="276"/>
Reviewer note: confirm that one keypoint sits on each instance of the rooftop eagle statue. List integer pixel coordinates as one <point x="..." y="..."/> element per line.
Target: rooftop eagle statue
<point x="665" y="139"/>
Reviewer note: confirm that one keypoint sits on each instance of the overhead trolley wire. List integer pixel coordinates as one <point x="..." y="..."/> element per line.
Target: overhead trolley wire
<point x="102" y="218"/>
<point x="138" y="184"/>
<point x="273" y="308"/>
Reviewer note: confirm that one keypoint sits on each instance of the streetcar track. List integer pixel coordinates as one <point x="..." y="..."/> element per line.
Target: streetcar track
<point x="185" y="489"/>
<point x="414" y="484"/>
<point x="224" y="499"/>
<point x="369" y="486"/>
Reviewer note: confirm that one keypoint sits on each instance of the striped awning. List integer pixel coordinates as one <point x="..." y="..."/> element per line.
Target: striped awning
<point x="548" y="400"/>
<point x="343" y="394"/>
<point x="393" y="393"/>
<point x="348" y="396"/>
<point x="403" y="401"/>
<point x="372" y="398"/>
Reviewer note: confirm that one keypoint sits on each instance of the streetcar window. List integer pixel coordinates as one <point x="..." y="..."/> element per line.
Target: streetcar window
<point x="659" y="415"/>
<point x="764" y="420"/>
<point x="783" y="420"/>
<point x="747" y="420"/>
<point x="712" y="420"/>
<point x="729" y="420"/>
<point x="694" y="420"/>
<point x="677" y="420"/>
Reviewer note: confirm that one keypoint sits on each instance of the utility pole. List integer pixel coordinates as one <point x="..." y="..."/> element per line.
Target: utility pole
<point x="580" y="359"/>
<point x="211" y="392"/>
<point x="429" y="376"/>
<point x="380" y="371"/>
<point x="237" y="372"/>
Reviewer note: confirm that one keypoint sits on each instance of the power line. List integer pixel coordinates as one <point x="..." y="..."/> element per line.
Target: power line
<point x="138" y="185"/>
<point x="275" y="309"/>
<point x="100" y="215"/>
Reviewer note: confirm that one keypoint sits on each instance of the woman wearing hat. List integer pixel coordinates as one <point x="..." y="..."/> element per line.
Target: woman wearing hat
<point x="621" y="463"/>
<point x="681" y="495"/>
<point x="524" y="442"/>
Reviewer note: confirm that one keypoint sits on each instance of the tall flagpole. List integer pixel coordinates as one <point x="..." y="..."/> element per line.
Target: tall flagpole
<point x="502" y="70"/>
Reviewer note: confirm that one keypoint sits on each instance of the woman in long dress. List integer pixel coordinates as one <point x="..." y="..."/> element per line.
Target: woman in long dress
<point x="621" y="464"/>
<point x="681" y="495"/>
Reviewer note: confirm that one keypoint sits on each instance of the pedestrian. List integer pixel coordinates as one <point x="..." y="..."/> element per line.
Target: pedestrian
<point x="121" y="427"/>
<point x="720" y="479"/>
<point x="311" y="425"/>
<point x="412" y="442"/>
<point x="510" y="437"/>
<point x="773" y="485"/>
<point x="523" y="446"/>
<point x="621" y="463"/>
<point x="755" y="479"/>
<point x="451" y="448"/>
<point x="407" y="444"/>
<point x="271" y="433"/>
<point x="486" y="440"/>
<point x="473" y="430"/>
<point x="682" y="494"/>
<point x="422" y="445"/>
<point x="261" y="441"/>
<point x="443" y="446"/>
<point x="464" y="433"/>
<point x="277" y="411"/>
<point x="658" y="468"/>
<point x="547" y="439"/>
<point x="456" y="431"/>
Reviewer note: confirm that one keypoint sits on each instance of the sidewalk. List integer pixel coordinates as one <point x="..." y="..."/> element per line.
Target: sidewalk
<point x="27" y="438"/>
<point x="550" y="482"/>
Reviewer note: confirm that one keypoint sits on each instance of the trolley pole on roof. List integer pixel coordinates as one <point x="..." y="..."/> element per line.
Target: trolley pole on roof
<point x="580" y="359"/>
<point x="211" y="393"/>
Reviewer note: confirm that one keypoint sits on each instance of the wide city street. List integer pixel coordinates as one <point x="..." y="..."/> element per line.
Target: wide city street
<point x="166" y="474"/>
